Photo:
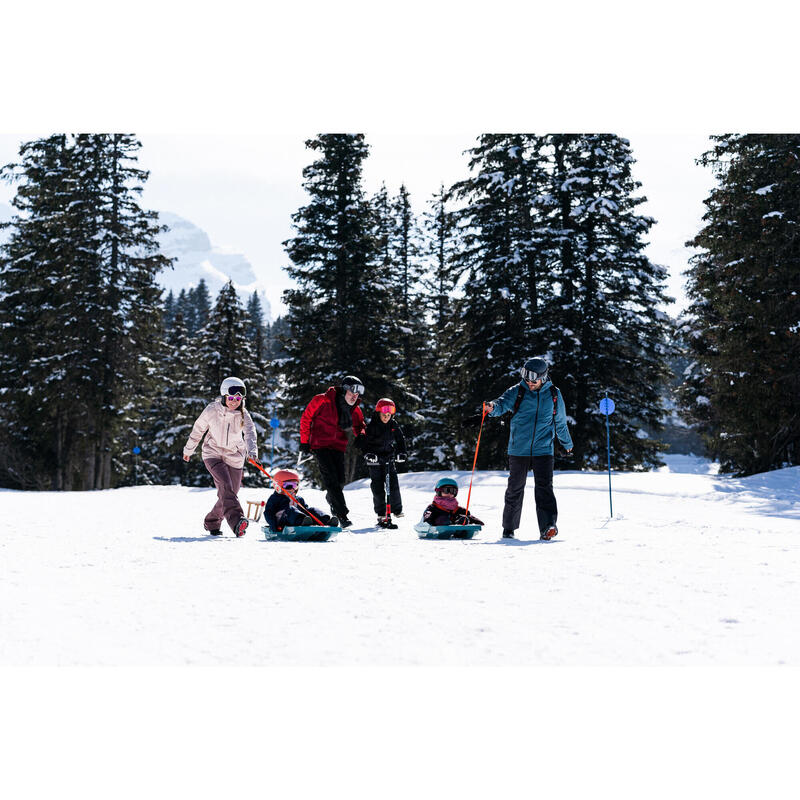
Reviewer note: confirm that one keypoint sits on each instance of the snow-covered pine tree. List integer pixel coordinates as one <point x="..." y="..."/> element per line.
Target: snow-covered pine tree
<point x="605" y="324"/>
<point x="500" y="313"/>
<point x="200" y="300"/>
<point x="434" y="444"/>
<point x="40" y="331"/>
<point x="743" y="326"/>
<point x="256" y="329"/>
<point x="168" y="315"/>
<point x="175" y="406"/>
<point x="403" y="277"/>
<point x="127" y="260"/>
<point x="340" y="314"/>
<point x="87" y="246"/>
<point x="185" y="306"/>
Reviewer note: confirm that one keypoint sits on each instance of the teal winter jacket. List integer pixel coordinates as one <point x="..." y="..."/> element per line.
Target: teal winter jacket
<point x="533" y="427"/>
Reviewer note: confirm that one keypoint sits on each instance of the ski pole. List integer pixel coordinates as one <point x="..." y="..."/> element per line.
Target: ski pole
<point x="474" y="462"/>
<point x="287" y="493"/>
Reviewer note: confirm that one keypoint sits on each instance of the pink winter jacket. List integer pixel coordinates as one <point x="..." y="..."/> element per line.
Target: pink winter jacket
<point x="231" y="435"/>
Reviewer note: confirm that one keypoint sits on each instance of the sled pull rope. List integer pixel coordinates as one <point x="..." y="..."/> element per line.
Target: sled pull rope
<point x="286" y="492"/>
<point x="474" y="462"/>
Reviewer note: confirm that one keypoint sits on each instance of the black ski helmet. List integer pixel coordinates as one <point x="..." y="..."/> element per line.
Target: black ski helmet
<point x="353" y="384"/>
<point x="534" y="369"/>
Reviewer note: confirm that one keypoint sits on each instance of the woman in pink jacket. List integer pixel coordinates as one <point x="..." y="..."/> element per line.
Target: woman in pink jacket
<point x="230" y="437"/>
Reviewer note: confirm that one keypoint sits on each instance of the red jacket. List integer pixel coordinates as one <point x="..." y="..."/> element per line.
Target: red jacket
<point x="319" y="425"/>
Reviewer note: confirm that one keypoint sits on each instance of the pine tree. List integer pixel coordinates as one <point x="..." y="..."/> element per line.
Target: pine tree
<point x="185" y="306"/>
<point x="607" y="329"/>
<point x="175" y="406"/>
<point x="86" y="247"/>
<point x="256" y="329"/>
<point x="434" y="443"/>
<point x="200" y="299"/>
<point x="337" y="314"/>
<point x="499" y="316"/>
<point x="169" y="310"/>
<point x="743" y="387"/>
<point x="40" y="347"/>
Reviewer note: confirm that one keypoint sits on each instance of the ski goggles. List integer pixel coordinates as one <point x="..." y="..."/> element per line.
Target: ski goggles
<point x="355" y="388"/>
<point x="530" y="375"/>
<point x="290" y="485"/>
<point x="453" y="490"/>
<point x="237" y="390"/>
<point x="235" y="396"/>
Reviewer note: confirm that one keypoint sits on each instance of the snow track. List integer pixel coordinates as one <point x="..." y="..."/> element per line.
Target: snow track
<point x="694" y="568"/>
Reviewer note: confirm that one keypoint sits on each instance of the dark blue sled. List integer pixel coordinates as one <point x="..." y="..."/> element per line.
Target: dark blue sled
<point x="425" y="531"/>
<point x="300" y="533"/>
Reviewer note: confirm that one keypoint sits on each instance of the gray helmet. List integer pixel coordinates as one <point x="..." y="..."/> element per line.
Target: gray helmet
<point x="535" y="369"/>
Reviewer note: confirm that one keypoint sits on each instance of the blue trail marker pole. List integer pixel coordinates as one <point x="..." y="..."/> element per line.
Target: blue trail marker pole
<point x="607" y="407"/>
<point x="136" y="451"/>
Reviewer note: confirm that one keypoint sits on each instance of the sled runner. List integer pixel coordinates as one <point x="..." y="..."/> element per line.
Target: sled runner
<point x="425" y="531"/>
<point x="301" y="533"/>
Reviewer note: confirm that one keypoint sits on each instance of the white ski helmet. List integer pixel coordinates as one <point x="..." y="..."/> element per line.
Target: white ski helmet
<point x="232" y="386"/>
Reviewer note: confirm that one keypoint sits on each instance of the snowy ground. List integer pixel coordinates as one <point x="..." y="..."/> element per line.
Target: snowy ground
<point x="694" y="568"/>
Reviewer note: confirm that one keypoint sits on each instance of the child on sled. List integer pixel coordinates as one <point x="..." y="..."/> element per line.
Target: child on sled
<point x="281" y="511"/>
<point x="445" y="510"/>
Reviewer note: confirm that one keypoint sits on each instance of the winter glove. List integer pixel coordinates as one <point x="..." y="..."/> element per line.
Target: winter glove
<point x="305" y="447"/>
<point x="400" y="458"/>
<point x="371" y="459"/>
<point x="360" y="441"/>
<point x="253" y="456"/>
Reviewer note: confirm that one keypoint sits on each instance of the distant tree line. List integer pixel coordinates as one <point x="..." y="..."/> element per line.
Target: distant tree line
<point x="538" y="250"/>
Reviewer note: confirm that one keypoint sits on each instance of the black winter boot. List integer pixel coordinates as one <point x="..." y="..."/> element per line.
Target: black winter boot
<point x="507" y="534"/>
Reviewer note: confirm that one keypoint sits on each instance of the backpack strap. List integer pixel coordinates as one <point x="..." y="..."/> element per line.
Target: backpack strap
<point x="518" y="401"/>
<point x="554" y="392"/>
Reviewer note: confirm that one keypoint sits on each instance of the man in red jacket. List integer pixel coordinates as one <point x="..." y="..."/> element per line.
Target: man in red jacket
<point x="323" y="432"/>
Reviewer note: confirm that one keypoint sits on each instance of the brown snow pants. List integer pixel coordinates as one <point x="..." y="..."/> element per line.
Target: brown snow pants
<point x="227" y="480"/>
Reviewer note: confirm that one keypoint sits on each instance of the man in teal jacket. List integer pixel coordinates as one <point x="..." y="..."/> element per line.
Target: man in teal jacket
<point x="539" y="415"/>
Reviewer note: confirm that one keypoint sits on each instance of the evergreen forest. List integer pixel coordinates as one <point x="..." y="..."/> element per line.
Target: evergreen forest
<point x="538" y="250"/>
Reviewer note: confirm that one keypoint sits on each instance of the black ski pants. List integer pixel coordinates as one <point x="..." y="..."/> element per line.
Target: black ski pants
<point x="377" y="476"/>
<point x="331" y="470"/>
<point x="546" y="508"/>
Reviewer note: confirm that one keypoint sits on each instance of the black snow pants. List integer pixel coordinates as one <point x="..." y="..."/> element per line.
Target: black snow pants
<point x="377" y="476"/>
<point x="546" y="508"/>
<point x="331" y="470"/>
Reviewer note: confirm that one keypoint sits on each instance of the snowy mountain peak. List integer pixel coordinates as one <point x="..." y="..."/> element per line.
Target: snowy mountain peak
<point x="197" y="258"/>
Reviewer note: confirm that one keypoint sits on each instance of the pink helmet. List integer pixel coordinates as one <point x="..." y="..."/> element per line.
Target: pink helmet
<point x="385" y="406"/>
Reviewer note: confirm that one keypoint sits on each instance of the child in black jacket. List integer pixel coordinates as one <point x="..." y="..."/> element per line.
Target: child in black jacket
<point x="383" y="443"/>
<point x="281" y="510"/>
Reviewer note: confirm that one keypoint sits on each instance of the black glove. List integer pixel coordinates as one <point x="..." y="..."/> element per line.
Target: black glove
<point x="371" y="459"/>
<point x="305" y="447"/>
<point x="471" y="422"/>
<point x="400" y="458"/>
<point x="360" y="441"/>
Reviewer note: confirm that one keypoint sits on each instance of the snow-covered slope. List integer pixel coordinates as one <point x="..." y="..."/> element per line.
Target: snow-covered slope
<point x="197" y="258"/>
<point x="693" y="568"/>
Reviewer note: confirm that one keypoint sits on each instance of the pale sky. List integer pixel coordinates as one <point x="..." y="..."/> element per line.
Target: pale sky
<point x="243" y="189"/>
